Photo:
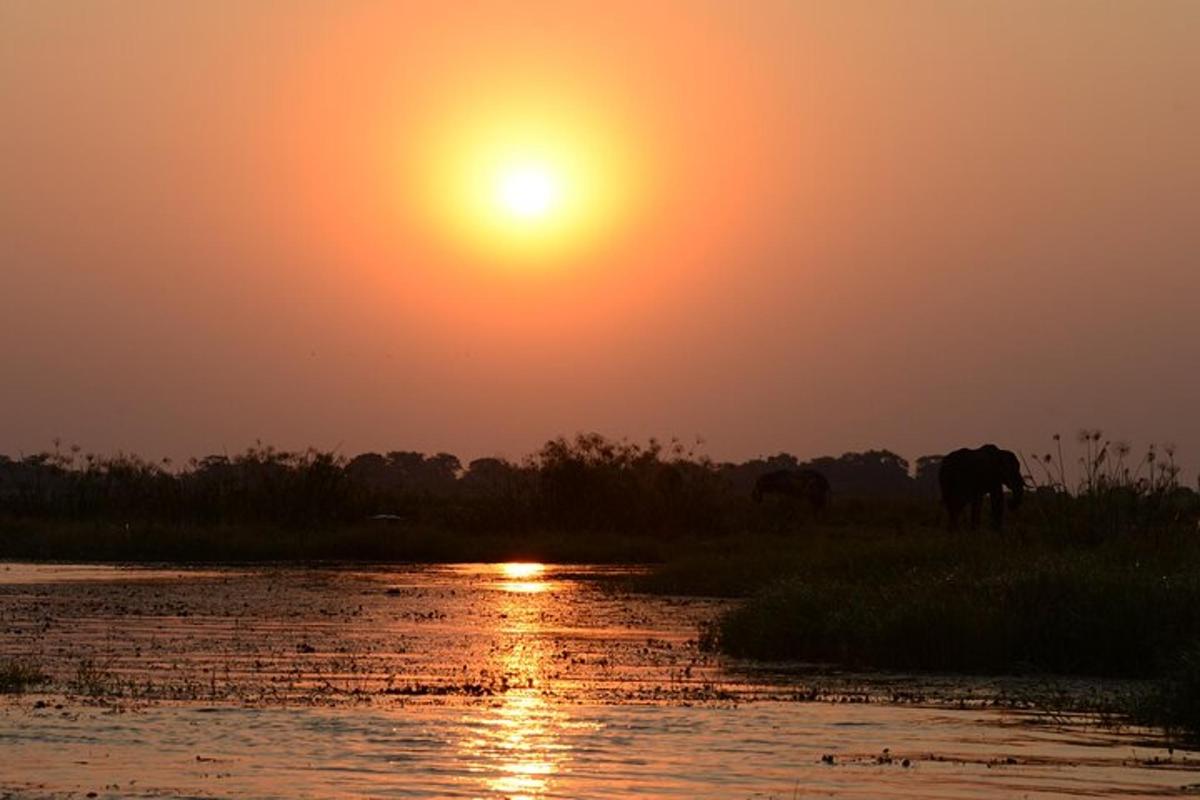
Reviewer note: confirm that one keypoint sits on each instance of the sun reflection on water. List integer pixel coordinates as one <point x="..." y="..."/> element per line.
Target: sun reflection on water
<point x="522" y="569"/>
<point x="518" y="747"/>
<point x="523" y="577"/>
<point x="524" y="741"/>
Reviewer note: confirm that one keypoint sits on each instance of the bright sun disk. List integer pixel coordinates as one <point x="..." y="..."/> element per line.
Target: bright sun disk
<point x="524" y="181"/>
<point x="528" y="191"/>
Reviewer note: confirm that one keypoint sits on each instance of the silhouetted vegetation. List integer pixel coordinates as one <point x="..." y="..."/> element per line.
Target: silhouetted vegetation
<point x="264" y="501"/>
<point x="1115" y="493"/>
<point x="268" y="503"/>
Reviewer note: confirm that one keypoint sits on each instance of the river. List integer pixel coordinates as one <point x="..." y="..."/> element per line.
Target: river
<point x="491" y="681"/>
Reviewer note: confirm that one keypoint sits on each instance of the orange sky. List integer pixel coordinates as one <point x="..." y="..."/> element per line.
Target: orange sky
<point x="836" y="225"/>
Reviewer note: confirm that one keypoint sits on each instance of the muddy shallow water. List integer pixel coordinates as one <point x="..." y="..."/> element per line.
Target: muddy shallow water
<point x="515" y="681"/>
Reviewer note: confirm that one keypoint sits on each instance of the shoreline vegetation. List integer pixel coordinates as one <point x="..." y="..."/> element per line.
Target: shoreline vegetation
<point x="1100" y="578"/>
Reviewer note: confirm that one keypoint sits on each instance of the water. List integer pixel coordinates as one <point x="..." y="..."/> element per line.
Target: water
<point x="491" y="681"/>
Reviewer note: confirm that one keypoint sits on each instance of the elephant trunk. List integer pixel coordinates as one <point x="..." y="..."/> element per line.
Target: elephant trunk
<point x="1018" y="492"/>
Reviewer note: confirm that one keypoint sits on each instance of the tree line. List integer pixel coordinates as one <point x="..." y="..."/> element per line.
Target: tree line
<point x="588" y="482"/>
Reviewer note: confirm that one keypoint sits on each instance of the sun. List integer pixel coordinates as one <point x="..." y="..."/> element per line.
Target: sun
<point x="529" y="191"/>
<point x="523" y="181"/>
<point x="526" y="192"/>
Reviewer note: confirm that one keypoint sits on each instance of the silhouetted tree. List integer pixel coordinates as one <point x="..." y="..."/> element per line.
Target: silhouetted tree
<point x="925" y="481"/>
<point x="875" y="472"/>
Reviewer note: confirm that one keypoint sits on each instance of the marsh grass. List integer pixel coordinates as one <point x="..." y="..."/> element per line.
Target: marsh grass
<point x="1023" y="602"/>
<point x="1000" y="603"/>
<point x="17" y="675"/>
<point x="1055" y="618"/>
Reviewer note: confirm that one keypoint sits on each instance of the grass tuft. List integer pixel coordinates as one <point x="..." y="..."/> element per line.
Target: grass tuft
<point x="16" y="676"/>
<point x="94" y="680"/>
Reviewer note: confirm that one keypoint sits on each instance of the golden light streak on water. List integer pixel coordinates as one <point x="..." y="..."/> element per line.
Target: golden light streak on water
<point x="526" y="743"/>
<point x="521" y="742"/>
<point x="524" y="577"/>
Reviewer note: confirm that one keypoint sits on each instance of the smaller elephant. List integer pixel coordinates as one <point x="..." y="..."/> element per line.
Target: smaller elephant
<point x="966" y="475"/>
<point x="803" y="484"/>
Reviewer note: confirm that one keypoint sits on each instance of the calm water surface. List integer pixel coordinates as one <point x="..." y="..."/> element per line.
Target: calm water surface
<point x="491" y="681"/>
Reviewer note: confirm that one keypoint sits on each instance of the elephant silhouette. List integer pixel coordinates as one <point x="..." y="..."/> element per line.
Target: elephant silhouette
<point x="966" y="475"/>
<point x="803" y="484"/>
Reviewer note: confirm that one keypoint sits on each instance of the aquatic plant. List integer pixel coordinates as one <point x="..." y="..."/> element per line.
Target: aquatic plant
<point x="93" y="679"/>
<point x="17" y="675"/>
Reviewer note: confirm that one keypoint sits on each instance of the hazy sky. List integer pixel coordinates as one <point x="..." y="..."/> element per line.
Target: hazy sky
<point x="830" y="225"/>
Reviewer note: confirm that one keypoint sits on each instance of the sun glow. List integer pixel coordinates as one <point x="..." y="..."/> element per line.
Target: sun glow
<point x="524" y="182"/>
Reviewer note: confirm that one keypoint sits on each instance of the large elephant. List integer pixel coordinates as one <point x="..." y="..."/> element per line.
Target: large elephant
<point x="966" y="475"/>
<point x="803" y="484"/>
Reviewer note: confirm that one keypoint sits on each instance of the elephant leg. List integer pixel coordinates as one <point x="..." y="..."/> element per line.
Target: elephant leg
<point x="953" y="509"/>
<point x="996" y="498"/>
<point x="976" y="511"/>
